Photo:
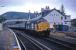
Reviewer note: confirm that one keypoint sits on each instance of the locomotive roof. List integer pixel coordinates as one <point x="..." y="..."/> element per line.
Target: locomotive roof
<point x="39" y="20"/>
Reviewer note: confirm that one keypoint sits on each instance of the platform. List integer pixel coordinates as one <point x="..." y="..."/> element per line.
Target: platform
<point x="7" y="40"/>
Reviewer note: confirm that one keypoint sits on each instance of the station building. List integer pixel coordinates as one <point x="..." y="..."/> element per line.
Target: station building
<point x="57" y="17"/>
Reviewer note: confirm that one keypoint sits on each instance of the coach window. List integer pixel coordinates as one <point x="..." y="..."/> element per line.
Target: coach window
<point x="32" y="25"/>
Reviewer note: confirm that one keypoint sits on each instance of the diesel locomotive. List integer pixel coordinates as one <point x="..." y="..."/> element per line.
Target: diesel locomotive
<point x="39" y="28"/>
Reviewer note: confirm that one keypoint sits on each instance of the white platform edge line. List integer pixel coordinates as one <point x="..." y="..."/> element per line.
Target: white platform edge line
<point x="16" y="39"/>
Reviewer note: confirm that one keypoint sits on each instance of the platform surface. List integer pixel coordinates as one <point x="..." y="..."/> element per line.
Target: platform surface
<point x="7" y="40"/>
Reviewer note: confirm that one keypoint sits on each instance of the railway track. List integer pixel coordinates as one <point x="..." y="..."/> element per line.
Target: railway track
<point x="21" y="44"/>
<point x="49" y="41"/>
<point x="44" y="43"/>
<point x="52" y="44"/>
<point x="66" y="44"/>
<point x="30" y="43"/>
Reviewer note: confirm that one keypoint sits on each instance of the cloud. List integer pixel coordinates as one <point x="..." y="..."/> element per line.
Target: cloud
<point x="35" y="5"/>
<point x="12" y="2"/>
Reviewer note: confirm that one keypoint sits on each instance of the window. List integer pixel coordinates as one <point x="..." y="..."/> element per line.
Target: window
<point x="54" y="23"/>
<point x="18" y="22"/>
<point x="65" y="17"/>
<point x="56" y="14"/>
<point x="65" y="22"/>
<point x="61" y="18"/>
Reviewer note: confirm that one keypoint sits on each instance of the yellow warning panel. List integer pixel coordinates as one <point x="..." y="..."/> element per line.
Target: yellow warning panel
<point x="16" y="48"/>
<point x="42" y="26"/>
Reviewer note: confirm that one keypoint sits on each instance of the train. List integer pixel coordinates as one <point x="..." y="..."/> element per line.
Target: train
<point x="43" y="28"/>
<point x="37" y="28"/>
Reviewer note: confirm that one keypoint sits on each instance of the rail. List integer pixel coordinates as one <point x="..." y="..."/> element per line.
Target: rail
<point x="63" y="43"/>
<point x="35" y="42"/>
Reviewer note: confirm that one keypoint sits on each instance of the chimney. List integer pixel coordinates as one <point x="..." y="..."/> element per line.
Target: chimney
<point x="42" y="9"/>
<point x="47" y="8"/>
<point x="62" y="9"/>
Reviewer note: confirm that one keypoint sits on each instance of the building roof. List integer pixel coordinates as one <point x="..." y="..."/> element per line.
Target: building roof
<point x="22" y="15"/>
<point x="46" y="12"/>
<point x="41" y="20"/>
<point x="19" y="15"/>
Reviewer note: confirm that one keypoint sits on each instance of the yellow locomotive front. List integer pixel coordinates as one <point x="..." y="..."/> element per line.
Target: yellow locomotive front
<point x="43" y="28"/>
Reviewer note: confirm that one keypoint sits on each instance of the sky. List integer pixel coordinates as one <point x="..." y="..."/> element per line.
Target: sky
<point x="36" y="5"/>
